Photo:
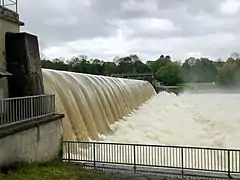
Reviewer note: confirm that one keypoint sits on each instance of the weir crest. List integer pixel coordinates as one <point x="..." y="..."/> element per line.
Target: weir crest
<point x="92" y="103"/>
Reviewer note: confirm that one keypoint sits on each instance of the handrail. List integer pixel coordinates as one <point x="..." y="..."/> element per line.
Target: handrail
<point x="24" y="97"/>
<point x="182" y="158"/>
<point x="153" y="145"/>
<point x="18" y="109"/>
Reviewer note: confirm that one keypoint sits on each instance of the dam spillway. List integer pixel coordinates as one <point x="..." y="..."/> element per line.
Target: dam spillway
<point x="92" y="103"/>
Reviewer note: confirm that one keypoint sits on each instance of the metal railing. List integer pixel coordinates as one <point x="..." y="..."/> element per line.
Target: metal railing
<point x="14" y="110"/>
<point x="138" y="155"/>
<point x="9" y="4"/>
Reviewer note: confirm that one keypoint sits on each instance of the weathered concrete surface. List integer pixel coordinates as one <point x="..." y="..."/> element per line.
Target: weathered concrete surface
<point x="117" y="172"/>
<point x="9" y="22"/>
<point x="33" y="142"/>
<point x="23" y="61"/>
<point x="116" y="175"/>
<point x="132" y="176"/>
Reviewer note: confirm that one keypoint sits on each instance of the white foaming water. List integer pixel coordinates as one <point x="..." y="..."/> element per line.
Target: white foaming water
<point x="208" y="119"/>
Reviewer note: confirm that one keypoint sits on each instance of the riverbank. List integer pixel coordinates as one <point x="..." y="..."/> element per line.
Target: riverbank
<point x="61" y="171"/>
<point x="51" y="171"/>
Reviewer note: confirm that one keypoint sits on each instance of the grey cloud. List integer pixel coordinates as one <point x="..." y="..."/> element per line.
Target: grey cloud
<point x="53" y="25"/>
<point x="185" y="18"/>
<point x="58" y="22"/>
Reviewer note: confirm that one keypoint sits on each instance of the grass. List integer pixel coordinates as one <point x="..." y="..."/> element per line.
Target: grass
<point x="57" y="171"/>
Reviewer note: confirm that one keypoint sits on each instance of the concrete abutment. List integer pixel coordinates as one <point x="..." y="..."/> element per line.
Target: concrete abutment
<point x="34" y="140"/>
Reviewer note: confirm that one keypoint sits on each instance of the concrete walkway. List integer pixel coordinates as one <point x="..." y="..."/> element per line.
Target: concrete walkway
<point x="116" y="175"/>
<point x="119" y="172"/>
<point x="132" y="176"/>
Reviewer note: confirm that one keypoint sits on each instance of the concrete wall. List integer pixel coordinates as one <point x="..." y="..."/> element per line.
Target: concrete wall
<point x="38" y="144"/>
<point x="23" y="62"/>
<point x="9" y="22"/>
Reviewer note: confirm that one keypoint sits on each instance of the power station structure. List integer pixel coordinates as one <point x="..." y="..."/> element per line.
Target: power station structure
<point x="30" y="130"/>
<point x="9" y="23"/>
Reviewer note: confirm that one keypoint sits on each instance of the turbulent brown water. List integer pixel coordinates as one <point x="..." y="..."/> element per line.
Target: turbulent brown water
<point x="209" y="119"/>
<point x="92" y="103"/>
<point x="205" y="119"/>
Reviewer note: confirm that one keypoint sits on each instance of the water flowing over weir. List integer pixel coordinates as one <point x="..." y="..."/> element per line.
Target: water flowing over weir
<point x="208" y="119"/>
<point x="92" y="103"/>
<point x="190" y="119"/>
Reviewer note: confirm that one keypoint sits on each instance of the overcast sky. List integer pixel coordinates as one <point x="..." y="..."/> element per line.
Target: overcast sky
<point x="108" y="28"/>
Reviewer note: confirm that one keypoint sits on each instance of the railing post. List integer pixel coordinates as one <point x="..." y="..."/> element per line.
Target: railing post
<point x="134" y="158"/>
<point x="31" y="107"/>
<point x="68" y="151"/>
<point x="61" y="151"/>
<point x="53" y="103"/>
<point x="94" y="155"/>
<point x="229" y="165"/>
<point x="182" y="161"/>
<point x="16" y="6"/>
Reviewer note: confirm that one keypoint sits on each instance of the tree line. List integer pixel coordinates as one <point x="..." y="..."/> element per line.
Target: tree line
<point x="164" y="69"/>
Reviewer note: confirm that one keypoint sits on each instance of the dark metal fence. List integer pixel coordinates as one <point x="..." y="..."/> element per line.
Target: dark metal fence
<point x="14" y="110"/>
<point x="139" y="155"/>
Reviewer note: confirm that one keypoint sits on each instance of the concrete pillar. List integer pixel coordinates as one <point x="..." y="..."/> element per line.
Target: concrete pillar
<point x="23" y="61"/>
<point x="9" y="22"/>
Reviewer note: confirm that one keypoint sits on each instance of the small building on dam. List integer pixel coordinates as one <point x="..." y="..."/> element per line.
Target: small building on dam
<point x="30" y="130"/>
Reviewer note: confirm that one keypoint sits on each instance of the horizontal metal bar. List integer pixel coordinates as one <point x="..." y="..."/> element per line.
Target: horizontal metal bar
<point x="152" y="145"/>
<point x="26" y="97"/>
<point x="15" y="2"/>
<point x="9" y="4"/>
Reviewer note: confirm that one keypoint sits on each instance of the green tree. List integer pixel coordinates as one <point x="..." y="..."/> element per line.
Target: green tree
<point x="131" y="65"/>
<point x="109" y="68"/>
<point x="170" y="74"/>
<point x="55" y="64"/>
<point x="140" y="67"/>
<point x="199" y="70"/>
<point x="226" y="73"/>
<point x="161" y="61"/>
<point x="229" y="74"/>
